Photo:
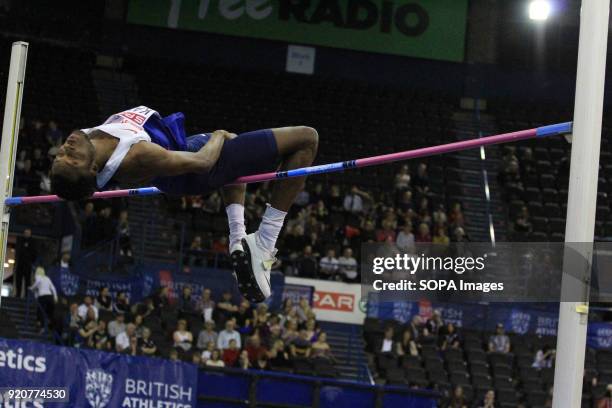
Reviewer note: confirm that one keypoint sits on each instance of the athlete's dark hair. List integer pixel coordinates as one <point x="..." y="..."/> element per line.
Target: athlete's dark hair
<point x="73" y="185"/>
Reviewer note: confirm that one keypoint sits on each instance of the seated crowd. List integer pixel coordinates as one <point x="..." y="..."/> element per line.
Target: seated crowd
<point x="325" y="228"/>
<point x="215" y="333"/>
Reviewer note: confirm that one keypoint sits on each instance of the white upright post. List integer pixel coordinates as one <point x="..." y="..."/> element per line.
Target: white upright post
<point x="10" y="132"/>
<point x="582" y="201"/>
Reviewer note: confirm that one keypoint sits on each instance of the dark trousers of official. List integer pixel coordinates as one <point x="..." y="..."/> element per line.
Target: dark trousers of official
<point x="23" y="273"/>
<point x="47" y="305"/>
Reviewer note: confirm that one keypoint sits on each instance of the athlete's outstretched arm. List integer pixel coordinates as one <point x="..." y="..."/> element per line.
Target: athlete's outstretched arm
<point x="153" y="161"/>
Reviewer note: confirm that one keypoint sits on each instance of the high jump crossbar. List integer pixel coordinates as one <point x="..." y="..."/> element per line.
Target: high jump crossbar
<point x="540" y="132"/>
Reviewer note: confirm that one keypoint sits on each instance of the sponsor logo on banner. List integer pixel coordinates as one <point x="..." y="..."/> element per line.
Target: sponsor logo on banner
<point x="334" y="301"/>
<point x="519" y="322"/>
<point x="604" y="337"/>
<point x="98" y="388"/>
<point x="341" y="302"/>
<point x="427" y="29"/>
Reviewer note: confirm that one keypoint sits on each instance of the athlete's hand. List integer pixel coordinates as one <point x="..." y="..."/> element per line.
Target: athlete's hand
<point x="225" y="134"/>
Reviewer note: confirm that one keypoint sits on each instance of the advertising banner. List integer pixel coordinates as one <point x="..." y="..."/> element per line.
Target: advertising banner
<point x="433" y="29"/>
<point x="334" y="301"/>
<point x="93" y="378"/>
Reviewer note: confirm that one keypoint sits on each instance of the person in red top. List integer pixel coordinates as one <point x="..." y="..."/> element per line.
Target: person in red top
<point x="231" y="354"/>
<point x="255" y="348"/>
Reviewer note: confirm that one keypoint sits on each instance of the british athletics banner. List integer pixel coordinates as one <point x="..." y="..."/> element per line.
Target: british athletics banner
<point x="522" y="318"/>
<point x="96" y="379"/>
<point x="433" y="29"/>
<point x="600" y="336"/>
<point x="144" y="279"/>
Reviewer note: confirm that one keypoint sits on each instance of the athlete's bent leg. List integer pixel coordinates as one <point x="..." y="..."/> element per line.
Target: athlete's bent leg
<point x="297" y="147"/>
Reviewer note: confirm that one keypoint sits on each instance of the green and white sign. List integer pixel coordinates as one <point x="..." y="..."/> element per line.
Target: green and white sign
<point x="432" y="29"/>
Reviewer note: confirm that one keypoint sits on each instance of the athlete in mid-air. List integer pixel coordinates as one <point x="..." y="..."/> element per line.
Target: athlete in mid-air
<point x="138" y="147"/>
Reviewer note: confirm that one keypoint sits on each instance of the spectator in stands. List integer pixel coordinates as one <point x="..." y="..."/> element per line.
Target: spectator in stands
<point x="423" y="234"/>
<point x="225" y="307"/>
<point x="206" y="335"/>
<point x="73" y="322"/>
<point x="328" y="265"/>
<point x="347" y="266"/>
<point x="522" y="225"/>
<point x="122" y="304"/>
<point x="104" y="301"/>
<point x="85" y="334"/>
<point x="46" y="296"/>
<point x="138" y="322"/>
<point x="230" y="355"/>
<point x="195" y="253"/>
<point x="291" y="332"/>
<point x="415" y="327"/>
<point x="133" y="349"/>
<point x="186" y="305"/>
<point x="439" y="216"/>
<point x="262" y="362"/>
<point x="254" y="348"/>
<point x="488" y="400"/>
<point x="455" y="218"/>
<point x="86" y="307"/>
<point x="354" y="201"/>
<point x="206" y="305"/>
<point x="407" y="346"/>
<point x="123" y="339"/>
<point x="243" y="360"/>
<point x="402" y="179"/>
<point x="207" y="352"/>
<point x="101" y="339"/>
<point x="243" y="316"/>
<point x="106" y="225"/>
<point x="65" y="260"/>
<point x="25" y="254"/>
<point x="499" y="342"/>
<point x="606" y="400"/>
<point x="321" y="348"/>
<point x="161" y="299"/>
<point x="146" y="345"/>
<point x="228" y="334"/>
<point x="116" y="326"/>
<point x="405" y="239"/>
<point x="449" y="337"/>
<point x="458" y="399"/>
<point x="387" y="232"/>
<point x="125" y="241"/>
<point x="215" y="359"/>
<point x="196" y="359"/>
<point x="173" y="355"/>
<point x="544" y="358"/>
<point x="387" y="343"/>
<point x="278" y="356"/>
<point x="300" y="347"/>
<point x="183" y="338"/>
<point x="440" y="237"/>
<point x="435" y="323"/>
<point x="421" y="179"/>
<point x="307" y="263"/>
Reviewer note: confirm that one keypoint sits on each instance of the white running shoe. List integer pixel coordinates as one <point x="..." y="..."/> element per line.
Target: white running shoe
<point x="252" y="269"/>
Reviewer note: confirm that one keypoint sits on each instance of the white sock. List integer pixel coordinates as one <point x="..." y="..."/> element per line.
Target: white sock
<point x="235" y="219"/>
<point x="270" y="227"/>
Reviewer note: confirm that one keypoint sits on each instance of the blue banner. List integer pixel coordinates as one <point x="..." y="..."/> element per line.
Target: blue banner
<point x="97" y="379"/>
<point x="600" y="336"/>
<point x="144" y="279"/>
<point x="523" y="318"/>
